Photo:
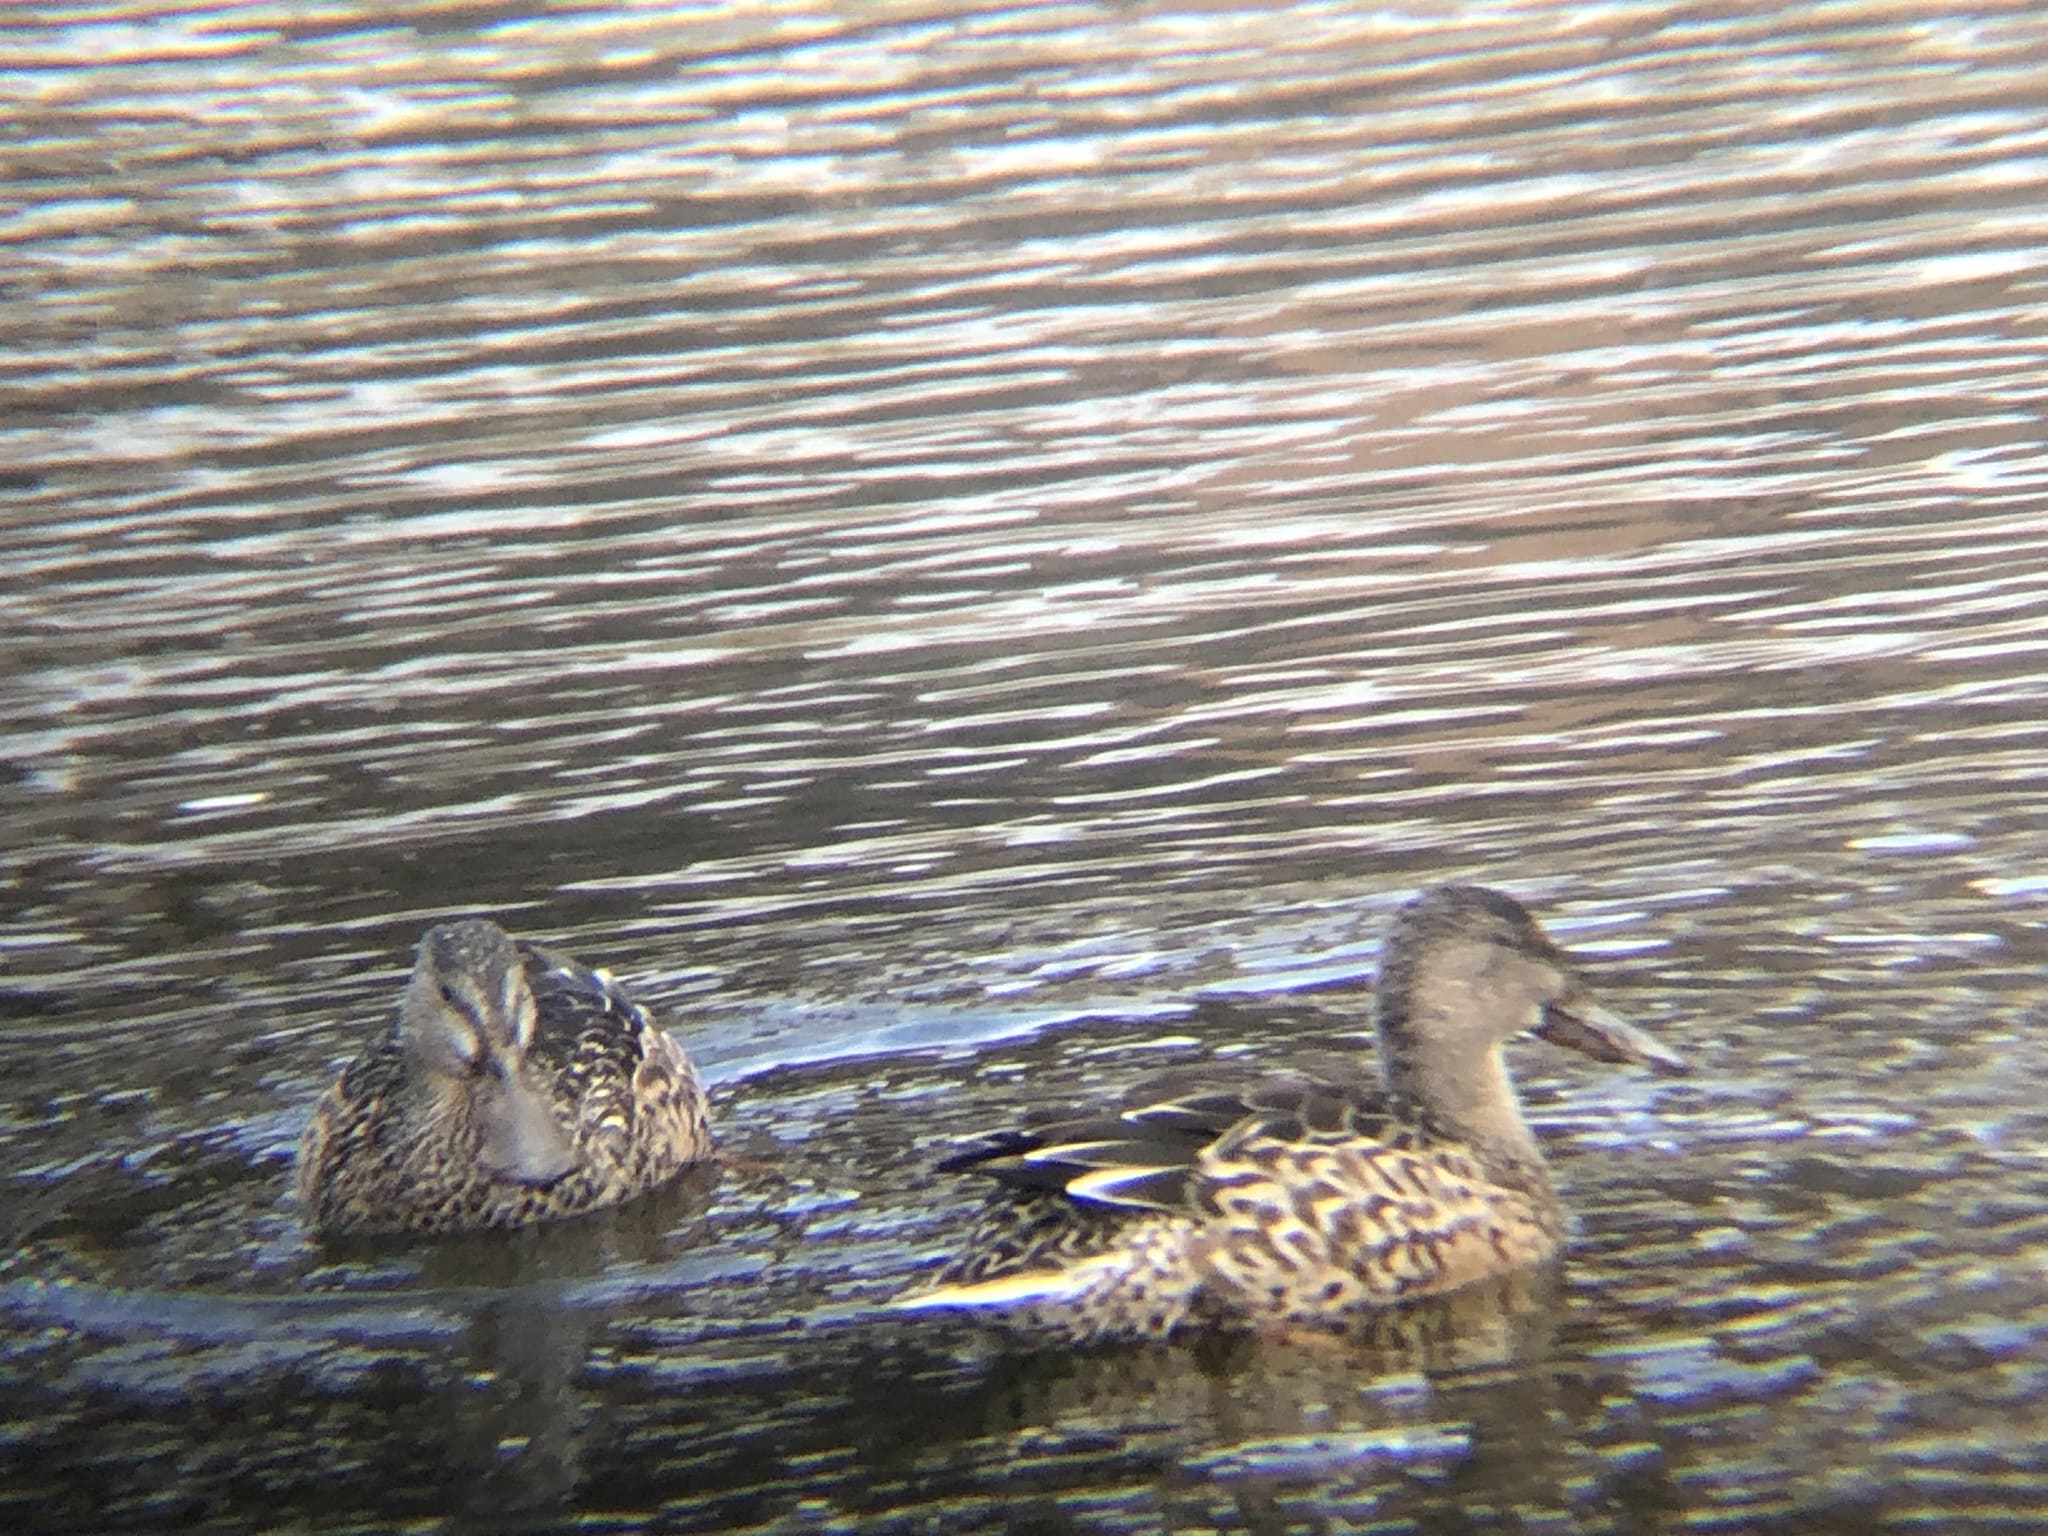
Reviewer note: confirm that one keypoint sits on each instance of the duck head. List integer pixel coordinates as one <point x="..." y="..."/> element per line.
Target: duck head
<point x="1466" y="969"/>
<point x="466" y="1022"/>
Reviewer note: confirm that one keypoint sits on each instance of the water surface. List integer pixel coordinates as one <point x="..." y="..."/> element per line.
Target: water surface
<point x="970" y="555"/>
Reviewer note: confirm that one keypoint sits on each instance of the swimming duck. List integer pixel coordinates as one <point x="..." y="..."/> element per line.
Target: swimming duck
<point x="514" y="1086"/>
<point x="1297" y="1199"/>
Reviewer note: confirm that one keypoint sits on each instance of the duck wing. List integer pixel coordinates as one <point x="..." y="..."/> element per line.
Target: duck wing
<point x="614" y="1068"/>
<point x="1145" y="1155"/>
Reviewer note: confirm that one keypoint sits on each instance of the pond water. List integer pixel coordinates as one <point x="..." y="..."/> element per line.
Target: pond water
<point x="969" y="554"/>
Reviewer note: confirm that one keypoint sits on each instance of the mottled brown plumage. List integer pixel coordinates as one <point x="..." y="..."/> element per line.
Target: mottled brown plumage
<point x="1298" y="1199"/>
<point x="514" y="1086"/>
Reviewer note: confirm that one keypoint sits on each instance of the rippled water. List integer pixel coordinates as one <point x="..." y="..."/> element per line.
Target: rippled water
<point x="969" y="554"/>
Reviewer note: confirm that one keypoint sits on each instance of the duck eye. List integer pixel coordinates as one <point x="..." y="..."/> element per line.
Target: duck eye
<point x="448" y="995"/>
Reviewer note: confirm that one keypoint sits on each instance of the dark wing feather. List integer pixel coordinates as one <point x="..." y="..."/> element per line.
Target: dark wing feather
<point x="1203" y="1115"/>
<point x="991" y="1148"/>
<point x="1145" y="1156"/>
<point x="1119" y="1160"/>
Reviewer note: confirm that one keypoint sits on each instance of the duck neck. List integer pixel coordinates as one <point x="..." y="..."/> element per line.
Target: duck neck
<point x="1474" y="1104"/>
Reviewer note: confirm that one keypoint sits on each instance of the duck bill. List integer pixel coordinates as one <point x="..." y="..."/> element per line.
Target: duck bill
<point x="520" y="1139"/>
<point x="1588" y="1028"/>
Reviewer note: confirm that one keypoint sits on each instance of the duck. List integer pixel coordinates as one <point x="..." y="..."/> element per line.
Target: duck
<point x="513" y="1086"/>
<point x="1302" y="1199"/>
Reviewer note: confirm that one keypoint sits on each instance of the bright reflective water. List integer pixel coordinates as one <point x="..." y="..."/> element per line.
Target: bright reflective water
<point x="970" y="554"/>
